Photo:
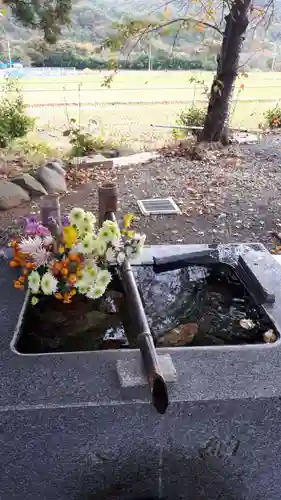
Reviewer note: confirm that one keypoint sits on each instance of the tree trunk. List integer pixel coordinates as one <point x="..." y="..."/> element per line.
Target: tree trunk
<point x="227" y="66"/>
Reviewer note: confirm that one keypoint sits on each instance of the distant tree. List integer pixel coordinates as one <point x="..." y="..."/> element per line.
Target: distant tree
<point x="47" y="16"/>
<point x="228" y="20"/>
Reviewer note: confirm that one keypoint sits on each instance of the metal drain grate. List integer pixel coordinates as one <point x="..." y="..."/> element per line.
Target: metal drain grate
<point x="158" y="206"/>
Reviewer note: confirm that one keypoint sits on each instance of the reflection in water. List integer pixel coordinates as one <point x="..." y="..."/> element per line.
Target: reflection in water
<point x="211" y="298"/>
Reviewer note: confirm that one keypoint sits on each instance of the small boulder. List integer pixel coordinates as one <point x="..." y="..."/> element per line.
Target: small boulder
<point x="11" y="195"/>
<point x="52" y="181"/>
<point x="125" y="151"/>
<point x="56" y="165"/>
<point x="180" y="336"/>
<point x="30" y="184"/>
<point x="93" y="161"/>
<point x="110" y="153"/>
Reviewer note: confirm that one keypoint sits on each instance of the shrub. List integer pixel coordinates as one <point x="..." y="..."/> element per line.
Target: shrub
<point x="273" y="117"/>
<point x="83" y="142"/>
<point x="190" y="117"/>
<point x="14" y="121"/>
<point x="32" y="151"/>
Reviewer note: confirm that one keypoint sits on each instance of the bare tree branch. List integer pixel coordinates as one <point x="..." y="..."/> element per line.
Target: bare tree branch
<point x="183" y="20"/>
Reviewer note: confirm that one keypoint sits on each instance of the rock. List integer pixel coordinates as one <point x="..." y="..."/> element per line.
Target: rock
<point x="30" y="184"/>
<point x="110" y="153"/>
<point x="269" y="337"/>
<point x="51" y="180"/>
<point x="56" y="165"/>
<point x="113" y="344"/>
<point x="247" y="323"/>
<point x="92" y="161"/>
<point x="123" y="151"/>
<point x="11" y="195"/>
<point x="179" y="336"/>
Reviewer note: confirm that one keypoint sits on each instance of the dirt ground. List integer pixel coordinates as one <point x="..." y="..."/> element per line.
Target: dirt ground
<point x="228" y="195"/>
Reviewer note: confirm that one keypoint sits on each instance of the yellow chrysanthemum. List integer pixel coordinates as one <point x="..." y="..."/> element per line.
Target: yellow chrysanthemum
<point x="128" y="219"/>
<point x="70" y="236"/>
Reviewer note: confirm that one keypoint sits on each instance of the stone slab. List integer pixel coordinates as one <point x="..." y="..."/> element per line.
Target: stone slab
<point x="131" y="373"/>
<point x="68" y="431"/>
<point x="92" y="161"/>
<point x="135" y="159"/>
<point x="72" y="453"/>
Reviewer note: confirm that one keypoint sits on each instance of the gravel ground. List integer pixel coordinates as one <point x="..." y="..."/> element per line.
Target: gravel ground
<point x="228" y="195"/>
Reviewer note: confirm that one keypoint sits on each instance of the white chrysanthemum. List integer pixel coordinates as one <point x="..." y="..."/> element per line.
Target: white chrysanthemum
<point x="90" y="217"/>
<point x="86" y="226"/>
<point x="91" y="270"/>
<point x="99" y="246"/>
<point x="48" y="240"/>
<point x="41" y="257"/>
<point x="116" y="243"/>
<point x="110" y="256"/>
<point x="137" y="243"/>
<point x="49" y="283"/>
<point x="82" y="286"/>
<point x="95" y="292"/>
<point x="86" y="245"/>
<point x="112" y="227"/>
<point x="103" y="278"/>
<point x="105" y="235"/>
<point x="76" y="216"/>
<point x="34" y="281"/>
<point x="30" y="245"/>
<point x="90" y="262"/>
<point x="120" y="258"/>
<point x="140" y="238"/>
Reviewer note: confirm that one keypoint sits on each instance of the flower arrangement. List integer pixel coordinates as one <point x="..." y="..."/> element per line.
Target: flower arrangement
<point x="73" y="258"/>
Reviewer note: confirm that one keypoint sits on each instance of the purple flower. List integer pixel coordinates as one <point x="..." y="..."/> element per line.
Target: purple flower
<point x="36" y="229"/>
<point x="31" y="228"/>
<point x="32" y="219"/>
<point x="42" y="230"/>
<point x="65" y="220"/>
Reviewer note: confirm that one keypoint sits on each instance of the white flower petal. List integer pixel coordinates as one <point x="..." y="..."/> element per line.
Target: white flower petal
<point x="76" y="216"/>
<point x="49" y="283"/>
<point x="86" y="245"/>
<point x="103" y="278"/>
<point x="120" y="258"/>
<point x="41" y="257"/>
<point x="34" y="281"/>
<point x="90" y="216"/>
<point x="83" y="286"/>
<point x="31" y="245"/>
<point x="99" y="246"/>
<point x="110" y="256"/>
<point x="95" y="292"/>
<point x="48" y="240"/>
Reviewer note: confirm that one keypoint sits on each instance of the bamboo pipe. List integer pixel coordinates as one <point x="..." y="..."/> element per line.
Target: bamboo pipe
<point x="157" y="384"/>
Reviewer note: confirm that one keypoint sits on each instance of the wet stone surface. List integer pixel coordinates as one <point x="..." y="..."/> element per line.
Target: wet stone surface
<point x="195" y="305"/>
<point x="83" y="325"/>
<point x="200" y="306"/>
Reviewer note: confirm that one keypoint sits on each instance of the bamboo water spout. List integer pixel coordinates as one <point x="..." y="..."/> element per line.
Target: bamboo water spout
<point x="158" y="386"/>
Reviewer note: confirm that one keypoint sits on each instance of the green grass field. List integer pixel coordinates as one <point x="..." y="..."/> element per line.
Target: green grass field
<point x="161" y="93"/>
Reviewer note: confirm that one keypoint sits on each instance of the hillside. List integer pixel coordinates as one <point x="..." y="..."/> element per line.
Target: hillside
<point x="92" y="21"/>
